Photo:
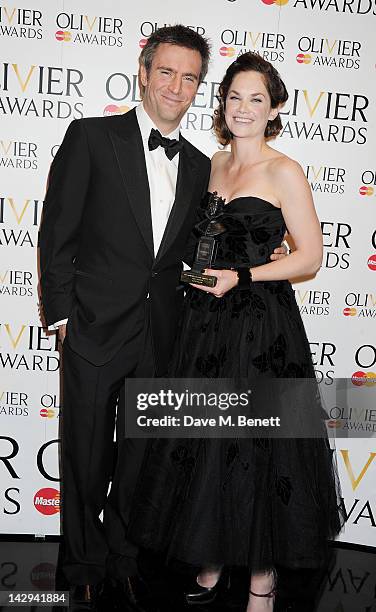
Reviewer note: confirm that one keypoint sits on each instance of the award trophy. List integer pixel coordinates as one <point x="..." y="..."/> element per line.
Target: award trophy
<point x="207" y="245"/>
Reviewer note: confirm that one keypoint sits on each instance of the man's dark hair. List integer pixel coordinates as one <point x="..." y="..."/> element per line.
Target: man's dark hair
<point x="182" y="37"/>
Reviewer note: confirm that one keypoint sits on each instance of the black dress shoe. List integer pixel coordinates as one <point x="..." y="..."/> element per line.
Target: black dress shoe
<point x="129" y="595"/>
<point x="85" y="595"/>
<point x="198" y="594"/>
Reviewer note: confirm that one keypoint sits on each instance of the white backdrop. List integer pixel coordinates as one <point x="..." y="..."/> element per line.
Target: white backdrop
<point x="63" y="60"/>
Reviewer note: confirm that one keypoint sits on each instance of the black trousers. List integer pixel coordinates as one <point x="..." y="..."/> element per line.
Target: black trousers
<point x="90" y="460"/>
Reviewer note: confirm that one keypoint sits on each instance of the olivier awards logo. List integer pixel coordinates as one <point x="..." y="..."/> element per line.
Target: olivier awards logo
<point x="41" y="91"/>
<point x="360" y="305"/>
<point x="20" y="23"/>
<point x="323" y="360"/>
<point x="355" y="7"/>
<point x="269" y="45"/>
<point x="123" y="91"/>
<point x="13" y="403"/>
<point x="313" y="302"/>
<point x="90" y="30"/>
<point x="148" y="27"/>
<point x="331" y="53"/>
<point x="356" y="480"/>
<point x="352" y="418"/>
<point x="336" y="242"/>
<point x="27" y="348"/>
<point x="326" y="116"/>
<point x="17" y="283"/>
<point x="19" y="155"/>
<point x="358" y="511"/>
<point x="119" y="87"/>
<point x="326" y="179"/>
<point x="19" y="222"/>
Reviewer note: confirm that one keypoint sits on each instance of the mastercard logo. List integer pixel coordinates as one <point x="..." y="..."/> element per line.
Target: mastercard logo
<point x="366" y="191"/>
<point x="42" y="576"/>
<point x="371" y="263"/>
<point x="227" y="51"/>
<point x="359" y="379"/>
<point x="334" y="423"/>
<point x="47" y="413"/>
<point x="143" y="42"/>
<point x="114" y="109"/>
<point x="349" y="312"/>
<point x="304" y="58"/>
<point x="278" y="2"/>
<point x="63" y="36"/>
<point x="47" y="501"/>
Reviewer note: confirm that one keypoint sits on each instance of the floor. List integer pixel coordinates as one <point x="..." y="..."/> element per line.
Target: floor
<point x="348" y="585"/>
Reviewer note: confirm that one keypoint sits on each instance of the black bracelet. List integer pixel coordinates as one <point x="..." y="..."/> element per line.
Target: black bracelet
<point x="245" y="278"/>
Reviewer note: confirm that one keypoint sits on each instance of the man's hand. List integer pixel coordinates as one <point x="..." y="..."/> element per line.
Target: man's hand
<point x="62" y="332"/>
<point x="227" y="279"/>
<point x="280" y="252"/>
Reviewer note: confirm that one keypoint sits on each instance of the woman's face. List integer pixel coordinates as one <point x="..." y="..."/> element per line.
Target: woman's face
<point x="248" y="105"/>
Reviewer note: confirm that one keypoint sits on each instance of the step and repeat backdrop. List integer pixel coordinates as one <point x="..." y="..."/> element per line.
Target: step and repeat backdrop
<point x="62" y="60"/>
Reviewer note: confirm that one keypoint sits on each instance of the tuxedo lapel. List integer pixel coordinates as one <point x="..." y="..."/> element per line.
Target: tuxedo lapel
<point x="185" y="183"/>
<point x="129" y="151"/>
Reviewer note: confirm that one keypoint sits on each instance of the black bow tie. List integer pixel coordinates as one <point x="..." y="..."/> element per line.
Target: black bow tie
<point x="170" y="145"/>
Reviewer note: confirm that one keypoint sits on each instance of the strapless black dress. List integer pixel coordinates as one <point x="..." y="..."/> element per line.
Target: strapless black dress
<point x="245" y="502"/>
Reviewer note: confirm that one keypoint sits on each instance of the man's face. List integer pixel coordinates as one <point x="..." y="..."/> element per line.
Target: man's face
<point x="171" y="84"/>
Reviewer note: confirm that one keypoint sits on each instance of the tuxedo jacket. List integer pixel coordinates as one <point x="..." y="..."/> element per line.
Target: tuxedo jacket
<point x="96" y="240"/>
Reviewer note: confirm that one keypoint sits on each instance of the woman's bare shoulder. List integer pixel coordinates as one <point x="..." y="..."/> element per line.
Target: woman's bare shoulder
<point x="219" y="158"/>
<point x="282" y="166"/>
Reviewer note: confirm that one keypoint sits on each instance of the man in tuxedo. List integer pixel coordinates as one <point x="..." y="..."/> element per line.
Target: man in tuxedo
<point x="118" y="212"/>
<point x="119" y="208"/>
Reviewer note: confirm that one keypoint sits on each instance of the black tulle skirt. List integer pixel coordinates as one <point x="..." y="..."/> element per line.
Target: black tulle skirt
<point x="239" y="502"/>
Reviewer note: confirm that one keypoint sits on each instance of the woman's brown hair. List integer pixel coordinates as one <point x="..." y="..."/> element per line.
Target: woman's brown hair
<point x="273" y="83"/>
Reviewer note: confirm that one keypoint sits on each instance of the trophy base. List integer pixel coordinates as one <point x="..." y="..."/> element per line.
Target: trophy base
<point x="189" y="276"/>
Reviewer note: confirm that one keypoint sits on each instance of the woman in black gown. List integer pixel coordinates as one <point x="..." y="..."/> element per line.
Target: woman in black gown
<point x="247" y="502"/>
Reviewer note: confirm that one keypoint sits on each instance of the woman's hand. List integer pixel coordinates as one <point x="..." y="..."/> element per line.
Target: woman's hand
<point x="227" y="279"/>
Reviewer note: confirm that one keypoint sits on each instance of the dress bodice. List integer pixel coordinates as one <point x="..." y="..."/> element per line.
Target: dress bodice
<point x="254" y="228"/>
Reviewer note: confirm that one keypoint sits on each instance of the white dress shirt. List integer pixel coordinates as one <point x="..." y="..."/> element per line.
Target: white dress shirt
<point x="162" y="175"/>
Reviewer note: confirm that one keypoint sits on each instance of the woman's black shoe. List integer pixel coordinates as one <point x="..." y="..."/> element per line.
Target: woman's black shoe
<point x="204" y="595"/>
